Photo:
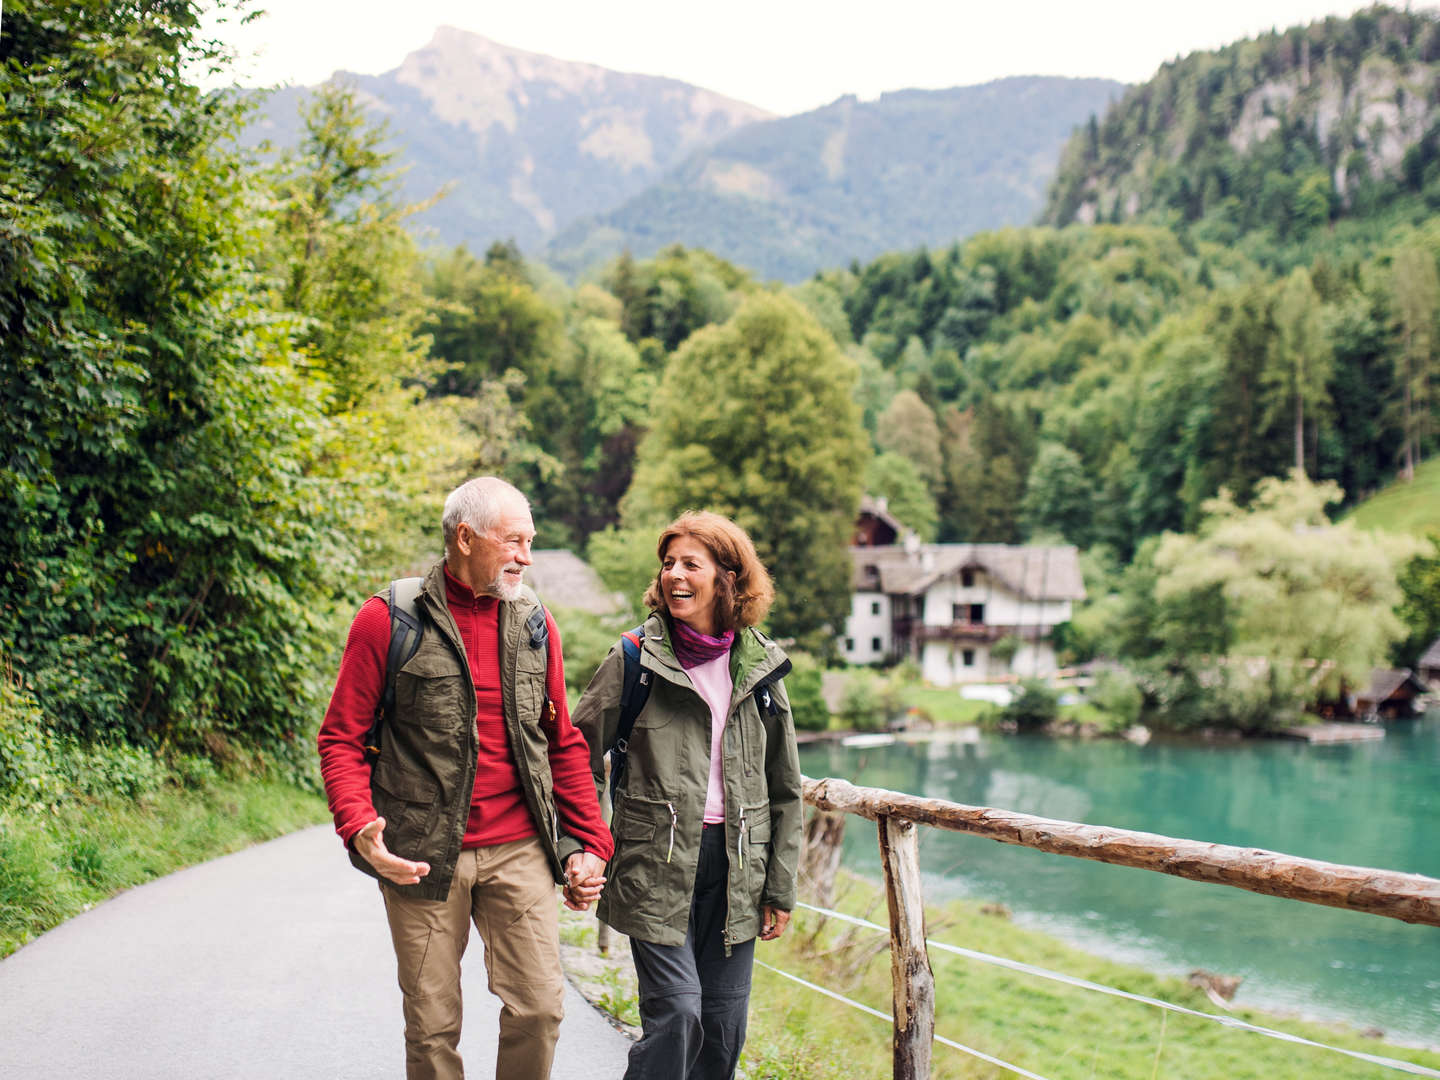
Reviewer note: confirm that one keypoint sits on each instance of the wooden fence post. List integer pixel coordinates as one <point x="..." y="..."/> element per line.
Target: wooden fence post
<point x="914" y="982"/>
<point x="824" y="833"/>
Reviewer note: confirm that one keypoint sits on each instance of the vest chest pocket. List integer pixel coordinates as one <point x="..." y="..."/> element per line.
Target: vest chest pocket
<point x="530" y="676"/>
<point x="432" y="693"/>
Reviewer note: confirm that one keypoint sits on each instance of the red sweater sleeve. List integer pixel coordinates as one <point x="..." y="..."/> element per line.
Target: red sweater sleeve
<point x="575" y="799"/>
<point x="358" y="688"/>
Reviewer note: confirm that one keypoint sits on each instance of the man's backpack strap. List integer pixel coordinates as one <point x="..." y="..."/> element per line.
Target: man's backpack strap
<point x="634" y="691"/>
<point x="405" y="630"/>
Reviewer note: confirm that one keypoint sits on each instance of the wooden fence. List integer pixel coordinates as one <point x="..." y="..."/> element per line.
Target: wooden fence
<point x="1410" y="898"/>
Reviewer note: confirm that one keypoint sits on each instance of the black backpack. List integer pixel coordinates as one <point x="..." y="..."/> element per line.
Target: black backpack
<point x="407" y="625"/>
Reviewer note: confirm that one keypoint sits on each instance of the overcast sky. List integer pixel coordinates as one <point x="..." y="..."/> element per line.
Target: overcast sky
<point x="787" y="56"/>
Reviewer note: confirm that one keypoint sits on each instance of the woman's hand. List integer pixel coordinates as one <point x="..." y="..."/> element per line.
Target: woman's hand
<point x="772" y="922"/>
<point x="584" y="878"/>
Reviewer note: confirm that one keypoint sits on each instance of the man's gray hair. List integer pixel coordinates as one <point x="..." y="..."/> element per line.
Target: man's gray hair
<point x="479" y="504"/>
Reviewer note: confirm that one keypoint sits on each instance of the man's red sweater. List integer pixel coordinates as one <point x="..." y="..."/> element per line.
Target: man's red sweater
<point x="497" y="806"/>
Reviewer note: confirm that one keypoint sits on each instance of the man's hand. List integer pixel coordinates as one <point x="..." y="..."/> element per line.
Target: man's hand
<point x="370" y="843"/>
<point x="584" y="878"/>
<point x="772" y="922"/>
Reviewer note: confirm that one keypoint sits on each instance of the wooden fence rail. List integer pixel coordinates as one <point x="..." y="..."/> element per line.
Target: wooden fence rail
<point x="1410" y="898"/>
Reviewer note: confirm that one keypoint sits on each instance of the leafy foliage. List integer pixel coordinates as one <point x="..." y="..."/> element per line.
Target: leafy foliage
<point x="1270" y="137"/>
<point x="737" y="429"/>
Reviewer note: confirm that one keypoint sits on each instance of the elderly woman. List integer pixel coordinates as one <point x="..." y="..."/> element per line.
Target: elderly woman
<point x="708" y="803"/>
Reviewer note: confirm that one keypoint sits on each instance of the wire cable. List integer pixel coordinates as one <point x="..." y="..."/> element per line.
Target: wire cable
<point x="1085" y="984"/>
<point x="887" y="1017"/>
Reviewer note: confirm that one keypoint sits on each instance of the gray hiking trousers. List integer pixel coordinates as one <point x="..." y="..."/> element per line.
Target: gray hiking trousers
<point x="694" y="998"/>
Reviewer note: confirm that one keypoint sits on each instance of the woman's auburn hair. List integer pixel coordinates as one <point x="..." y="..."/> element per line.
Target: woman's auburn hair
<point x="740" y="601"/>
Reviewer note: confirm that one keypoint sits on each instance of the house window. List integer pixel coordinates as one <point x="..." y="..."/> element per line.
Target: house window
<point x="875" y="607"/>
<point x="959" y="612"/>
<point x="967" y="657"/>
<point x="874" y="644"/>
<point x="977" y="613"/>
<point x="967" y="578"/>
<point x="849" y="644"/>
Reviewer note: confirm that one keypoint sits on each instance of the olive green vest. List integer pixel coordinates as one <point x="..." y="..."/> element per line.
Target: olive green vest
<point x="425" y="776"/>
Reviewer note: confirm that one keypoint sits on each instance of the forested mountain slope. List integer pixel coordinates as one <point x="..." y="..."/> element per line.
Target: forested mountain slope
<point x="854" y="179"/>
<point x="1278" y="135"/>
<point x="523" y="143"/>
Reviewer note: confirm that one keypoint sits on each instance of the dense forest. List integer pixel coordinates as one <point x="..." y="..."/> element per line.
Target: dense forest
<point x="237" y="389"/>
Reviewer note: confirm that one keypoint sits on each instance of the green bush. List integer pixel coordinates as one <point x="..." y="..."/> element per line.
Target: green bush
<point x="1033" y="707"/>
<point x="1118" y="696"/>
<point x="807" y="704"/>
<point x="29" y="775"/>
<point x="861" y="705"/>
<point x="1221" y="696"/>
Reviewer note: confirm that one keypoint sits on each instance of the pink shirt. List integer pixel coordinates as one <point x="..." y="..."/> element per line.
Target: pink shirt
<point x="712" y="680"/>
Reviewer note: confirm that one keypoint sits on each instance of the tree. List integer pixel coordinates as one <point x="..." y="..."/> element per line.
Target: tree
<point x="907" y="427"/>
<point x="1419" y="609"/>
<point x="987" y="456"/>
<point x="486" y="320"/>
<point x="588" y="411"/>
<point x="1301" y="357"/>
<point x="1059" y="495"/>
<point x="341" y="249"/>
<point x="171" y="549"/>
<point x="1416" y="288"/>
<point x="755" y="419"/>
<point x="895" y="479"/>
<point x="1297" y="591"/>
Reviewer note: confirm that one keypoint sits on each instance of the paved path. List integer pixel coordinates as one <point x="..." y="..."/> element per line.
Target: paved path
<point x="274" y="962"/>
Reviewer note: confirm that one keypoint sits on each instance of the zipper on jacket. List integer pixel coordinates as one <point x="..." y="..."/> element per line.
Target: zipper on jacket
<point x="740" y="843"/>
<point x="674" y="817"/>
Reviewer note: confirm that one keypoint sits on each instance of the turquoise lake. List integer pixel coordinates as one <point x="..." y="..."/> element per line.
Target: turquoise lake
<point x="1366" y="804"/>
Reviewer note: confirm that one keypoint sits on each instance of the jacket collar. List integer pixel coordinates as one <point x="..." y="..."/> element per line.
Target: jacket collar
<point x="753" y="657"/>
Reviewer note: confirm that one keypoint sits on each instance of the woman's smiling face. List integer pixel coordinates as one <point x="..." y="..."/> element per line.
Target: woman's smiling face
<point x="687" y="580"/>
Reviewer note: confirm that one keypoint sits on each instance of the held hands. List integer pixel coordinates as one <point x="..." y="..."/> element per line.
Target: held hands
<point x="584" y="878"/>
<point x="370" y="843"/>
<point x="772" y="922"/>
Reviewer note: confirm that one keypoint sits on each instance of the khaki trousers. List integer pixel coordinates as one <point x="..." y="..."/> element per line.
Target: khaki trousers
<point x="509" y="893"/>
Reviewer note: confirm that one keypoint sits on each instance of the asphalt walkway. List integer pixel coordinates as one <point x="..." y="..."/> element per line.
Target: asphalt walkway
<point x="274" y="962"/>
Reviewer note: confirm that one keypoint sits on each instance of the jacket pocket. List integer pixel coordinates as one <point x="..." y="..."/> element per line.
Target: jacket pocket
<point x="756" y="851"/>
<point x="408" y="802"/>
<point x="434" y="699"/>
<point x="644" y="862"/>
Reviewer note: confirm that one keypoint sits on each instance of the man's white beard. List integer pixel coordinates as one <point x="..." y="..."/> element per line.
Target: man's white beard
<point x="504" y="586"/>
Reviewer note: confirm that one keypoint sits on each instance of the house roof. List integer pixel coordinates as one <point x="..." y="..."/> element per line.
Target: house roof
<point x="1386" y="681"/>
<point x="1431" y="659"/>
<point x="1034" y="572"/>
<point x="563" y="579"/>
<point x="879" y="509"/>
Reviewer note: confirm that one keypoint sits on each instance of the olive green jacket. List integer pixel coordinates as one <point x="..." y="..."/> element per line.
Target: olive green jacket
<point x="429" y="748"/>
<point x="660" y="811"/>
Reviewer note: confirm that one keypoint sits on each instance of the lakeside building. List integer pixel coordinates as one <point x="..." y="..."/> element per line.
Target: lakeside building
<point x="964" y="612"/>
<point x="1428" y="666"/>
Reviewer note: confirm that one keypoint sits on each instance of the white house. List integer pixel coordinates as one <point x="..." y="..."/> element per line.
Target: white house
<point x="959" y="609"/>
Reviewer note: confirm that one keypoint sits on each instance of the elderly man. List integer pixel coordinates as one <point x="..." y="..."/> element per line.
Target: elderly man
<point x="480" y="797"/>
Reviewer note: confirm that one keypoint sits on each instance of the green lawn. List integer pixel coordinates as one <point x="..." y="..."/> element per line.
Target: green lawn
<point x="944" y="706"/>
<point x="1412" y="508"/>
<point x="1057" y="1031"/>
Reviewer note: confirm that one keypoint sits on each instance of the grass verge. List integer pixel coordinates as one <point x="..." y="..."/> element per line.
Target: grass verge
<point x="1412" y="508"/>
<point x="56" y="863"/>
<point x="1057" y="1031"/>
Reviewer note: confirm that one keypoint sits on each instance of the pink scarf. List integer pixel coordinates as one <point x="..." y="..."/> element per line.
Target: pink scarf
<point x="693" y="648"/>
